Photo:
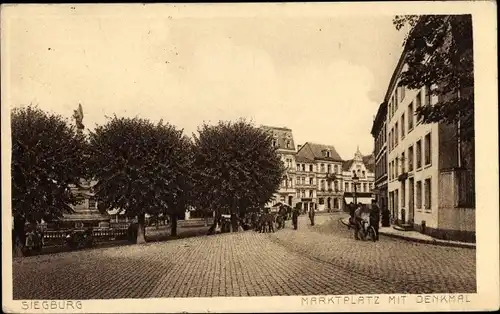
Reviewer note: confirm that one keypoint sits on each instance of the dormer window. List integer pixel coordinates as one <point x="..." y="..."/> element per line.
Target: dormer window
<point x="288" y="144"/>
<point x="328" y="154"/>
<point x="274" y="143"/>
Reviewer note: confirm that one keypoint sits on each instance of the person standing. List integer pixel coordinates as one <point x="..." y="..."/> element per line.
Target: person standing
<point x="311" y="215"/>
<point x="375" y="217"/>
<point x="295" y="218"/>
<point x="358" y="221"/>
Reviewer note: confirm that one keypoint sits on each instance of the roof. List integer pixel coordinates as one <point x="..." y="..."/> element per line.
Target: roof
<point x="379" y="119"/>
<point x="282" y="135"/>
<point x="368" y="161"/>
<point x="313" y="151"/>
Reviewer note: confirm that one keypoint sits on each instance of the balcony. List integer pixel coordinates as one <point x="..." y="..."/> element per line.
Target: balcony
<point x="403" y="176"/>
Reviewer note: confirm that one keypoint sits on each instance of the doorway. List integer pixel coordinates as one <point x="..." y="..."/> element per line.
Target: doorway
<point x="411" y="201"/>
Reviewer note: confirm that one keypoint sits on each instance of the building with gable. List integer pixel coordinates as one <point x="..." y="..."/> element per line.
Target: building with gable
<point x="363" y="168"/>
<point x="283" y="141"/>
<point x="319" y="177"/>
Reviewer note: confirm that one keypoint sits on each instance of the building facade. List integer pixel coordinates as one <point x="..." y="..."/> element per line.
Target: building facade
<point x="427" y="190"/>
<point x="362" y="167"/>
<point x="319" y="177"/>
<point x="379" y="133"/>
<point x="283" y="141"/>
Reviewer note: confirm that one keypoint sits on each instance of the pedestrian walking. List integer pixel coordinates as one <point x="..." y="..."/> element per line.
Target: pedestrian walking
<point x="375" y="217"/>
<point x="311" y="216"/>
<point x="295" y="218"/>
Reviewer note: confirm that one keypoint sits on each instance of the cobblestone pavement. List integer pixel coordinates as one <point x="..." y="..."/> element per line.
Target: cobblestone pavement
<point x="323" y="259"/>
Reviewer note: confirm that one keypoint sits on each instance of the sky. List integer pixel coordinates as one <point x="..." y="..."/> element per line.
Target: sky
<point x="322" y="77"/>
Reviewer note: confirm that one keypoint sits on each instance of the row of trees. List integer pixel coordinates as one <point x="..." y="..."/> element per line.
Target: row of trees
<point x="140" y="167"/>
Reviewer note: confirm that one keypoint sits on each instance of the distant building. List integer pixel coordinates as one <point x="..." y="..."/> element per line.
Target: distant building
<point x="319" y="177"/>
<point x="363" y="168"/>
<point x="379" y="133"/>
<point x="428" y="187"/>
<point x="283" y="141"/>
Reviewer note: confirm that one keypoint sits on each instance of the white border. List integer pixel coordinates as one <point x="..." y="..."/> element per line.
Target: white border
<point x="485" y="46"/>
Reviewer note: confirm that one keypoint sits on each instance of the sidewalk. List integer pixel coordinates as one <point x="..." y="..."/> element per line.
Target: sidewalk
<point x="415" y="236"/>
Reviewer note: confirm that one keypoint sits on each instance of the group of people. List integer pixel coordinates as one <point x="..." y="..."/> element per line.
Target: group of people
<point x="356" y="212"/>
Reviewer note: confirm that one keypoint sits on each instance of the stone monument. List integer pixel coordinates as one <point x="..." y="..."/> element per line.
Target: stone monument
<point x="85" y="213"/>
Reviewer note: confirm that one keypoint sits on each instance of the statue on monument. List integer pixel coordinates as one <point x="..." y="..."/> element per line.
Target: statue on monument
<point x="78" y="116"/>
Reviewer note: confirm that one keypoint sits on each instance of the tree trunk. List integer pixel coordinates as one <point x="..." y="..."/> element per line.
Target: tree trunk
<point x="234" y="223"/>
<point x="173" y="225"/>
<point x="141" y="238"/>
<point x="18" y="237"/>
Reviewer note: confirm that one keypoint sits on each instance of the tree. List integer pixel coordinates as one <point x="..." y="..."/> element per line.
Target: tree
<point x="48" y="157"/>
<point x="140" y="167"/>
<point x="439" y="52"/>
<point x="236" y="167"/>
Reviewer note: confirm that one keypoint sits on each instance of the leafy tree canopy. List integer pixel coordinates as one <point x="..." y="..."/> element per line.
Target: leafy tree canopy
<point x="141" y="167"/>
<point x="48" y="157"/>
<point x="439" y="52"/>
<point x="236" y="166"/>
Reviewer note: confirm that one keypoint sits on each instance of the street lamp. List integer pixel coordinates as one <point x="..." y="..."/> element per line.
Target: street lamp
<point x="355" y="182"/>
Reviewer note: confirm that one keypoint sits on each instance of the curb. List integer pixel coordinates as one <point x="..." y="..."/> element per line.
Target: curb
<point x="432" y="242"/>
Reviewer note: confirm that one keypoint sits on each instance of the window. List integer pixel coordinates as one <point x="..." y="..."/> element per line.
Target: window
<point x="396" y="136"/>
<point x="402" y="93"/>
<point x="418" y="103"/>
<point x="410" y="117"/>
<point x="410" y="158"/>
<point x="329" y="168"/>
<point x="322" y="168"/>
<point x="274" y="143"/>
<point x="303" y="193"/>
<point x="419" y="195"/>
<point x="328" y="154"/>
<point x="427" y="96"/>
<point x="365" y="187"/>
<point x="419" y="154"/>
<point x="298" y="167"/>
<point x="311" y="181"/>
<point x="363" y="174"/>
<point x="310" y="193"/>
<point x="321" y="201"/>
<point x="397" y="167"/>
<point x="397" y="97"/>
<point x="303" y="180"/>
<point x="303" y="167"/>
<point x="322" y="185"/>
<point x="427" y="188"/>
<point x="403" y="162"/>
<point x="427" y="147"/>
<point x="403" y="132"/>
<point x="336" y="185"/>
<point x="311" y="168"/>
<point x="288" y="144"/>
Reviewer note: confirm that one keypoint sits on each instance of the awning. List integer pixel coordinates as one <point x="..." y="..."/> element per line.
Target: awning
<point x="362" y="200"/>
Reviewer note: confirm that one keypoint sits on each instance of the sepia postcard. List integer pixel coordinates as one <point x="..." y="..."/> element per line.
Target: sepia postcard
<point x="271" y="157"/>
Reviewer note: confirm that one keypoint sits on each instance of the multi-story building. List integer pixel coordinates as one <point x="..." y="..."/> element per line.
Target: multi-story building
<point x="362" y="168"/>
<point x="319" y="177"/>
<point x="379" y="133"/>
<point x="426" y="189"/>
<point x="283" y="141"/>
